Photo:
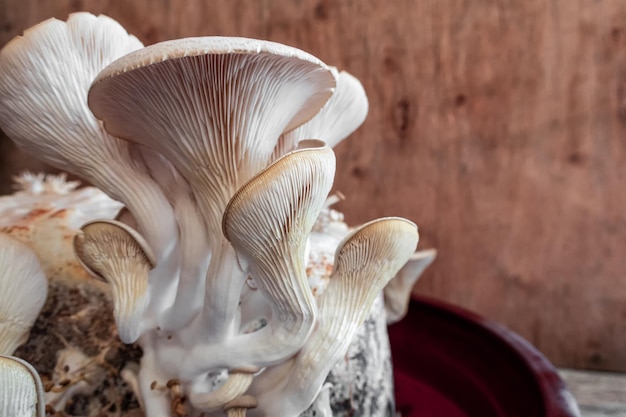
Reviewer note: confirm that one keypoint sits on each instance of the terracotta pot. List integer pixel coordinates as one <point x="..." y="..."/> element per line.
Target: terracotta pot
<point x="449" y="362"/>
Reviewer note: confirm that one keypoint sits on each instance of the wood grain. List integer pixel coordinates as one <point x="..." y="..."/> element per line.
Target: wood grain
<point x="498" y="126"/>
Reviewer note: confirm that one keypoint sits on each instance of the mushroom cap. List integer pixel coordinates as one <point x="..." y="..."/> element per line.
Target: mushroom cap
<point x="112" y="251"/>
<point x="341" y="115"/>
<point x="21" y="390"/>
<point x="398" y="290"/>
<point x="23" y="291"/>
<point x="44" y="78"/>
<point x="213" y="106"/>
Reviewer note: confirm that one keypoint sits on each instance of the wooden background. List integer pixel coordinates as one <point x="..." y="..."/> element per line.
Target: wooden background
<point x="498" y="126"/>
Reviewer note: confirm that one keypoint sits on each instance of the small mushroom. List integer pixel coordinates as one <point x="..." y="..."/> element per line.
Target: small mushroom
<point x="365" y="261"/>
<point x="112" y="251"/>
<point x="398" y="291"/>
<point x="23" y="291"/>
<point x="268" y="222"/>
<point x="21" y="390"/>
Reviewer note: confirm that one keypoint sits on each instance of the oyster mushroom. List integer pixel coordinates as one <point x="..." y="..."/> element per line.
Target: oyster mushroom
<point x="114" y="252"/>
<point x="44" y="79"/>
<point x="341" y="115"/>
<point x="23" y="291"/>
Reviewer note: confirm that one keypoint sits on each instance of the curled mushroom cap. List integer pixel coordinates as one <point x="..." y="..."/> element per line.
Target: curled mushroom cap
<point x="114" y="252"/>
<point x="213" y="106"/>
<point x="398" y="291"/>
<point x="23" y="291"/>
<point x="21" y="390"/>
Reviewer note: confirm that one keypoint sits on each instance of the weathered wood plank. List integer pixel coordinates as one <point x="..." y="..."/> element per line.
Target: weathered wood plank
<point x="499" y="127"/>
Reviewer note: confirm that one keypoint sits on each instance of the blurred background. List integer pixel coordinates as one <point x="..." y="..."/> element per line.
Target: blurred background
<point x="499" y="127"/>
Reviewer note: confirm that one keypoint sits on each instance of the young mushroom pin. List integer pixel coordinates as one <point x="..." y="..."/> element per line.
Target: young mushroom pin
<point x="268" y="222"/>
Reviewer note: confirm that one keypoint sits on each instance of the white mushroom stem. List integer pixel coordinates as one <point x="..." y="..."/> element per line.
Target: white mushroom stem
<point x="341" y="115"/>
<point x="364" y="262"/>
<point x="21" y="390"/>
<point x="116" y="253"/>
<point x="398" y="291"/>
<point x="44" y="79"/>
<point x="189" y="263"/>
<point x="23" y="291"/>
<point x="212" y="106"/>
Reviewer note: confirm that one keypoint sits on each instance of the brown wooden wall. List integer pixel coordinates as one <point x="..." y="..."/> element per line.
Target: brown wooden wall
<point x="498" y="126"/>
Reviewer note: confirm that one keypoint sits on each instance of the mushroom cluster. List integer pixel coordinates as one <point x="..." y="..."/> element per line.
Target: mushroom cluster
<point x="220" y="150"/>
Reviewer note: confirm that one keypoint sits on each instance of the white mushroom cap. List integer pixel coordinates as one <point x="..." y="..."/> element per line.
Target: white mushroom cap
<point x="44" y="79"/>
<point x="112" y="251"/>
<point x="45" y="76"/>
<point x="365" y="261"/>
<point x="341" y="115"/>
<point x="21" y="390"/>
<point x="213" y="106"/>
<point x="23" y="291"/>
<point x="398" y="291"/>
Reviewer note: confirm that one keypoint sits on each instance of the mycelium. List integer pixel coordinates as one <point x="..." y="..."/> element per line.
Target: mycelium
<point x="216" y="146"/>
